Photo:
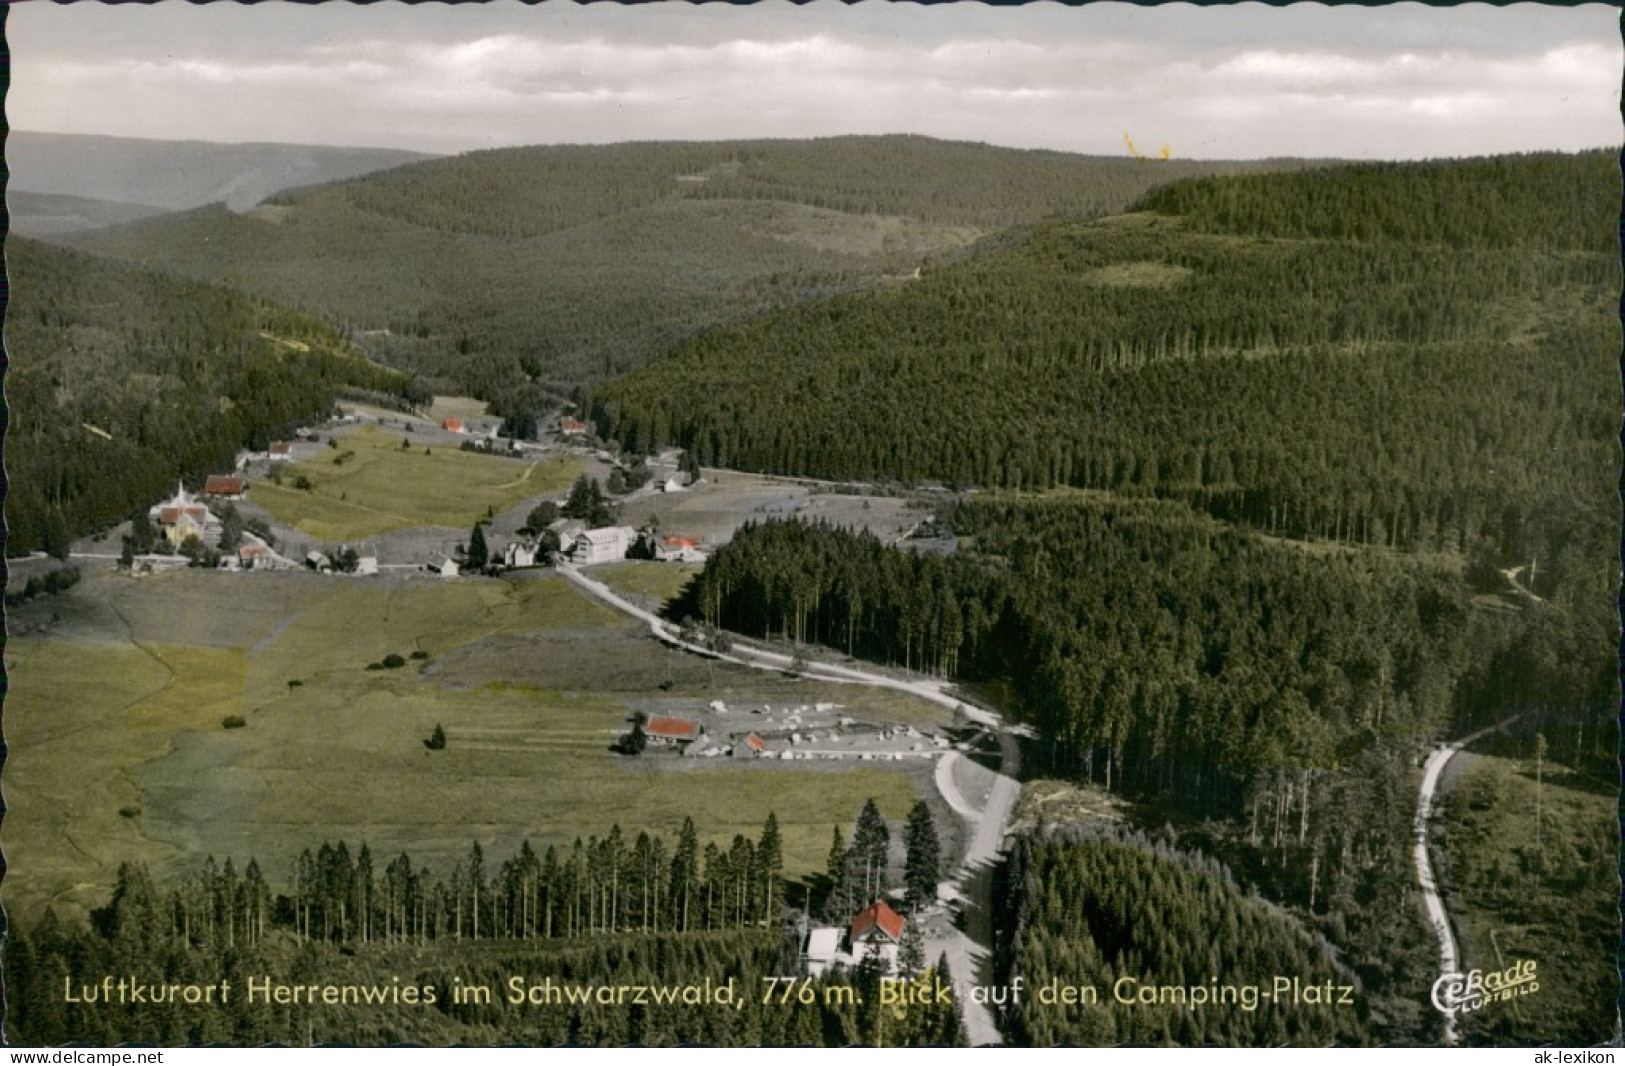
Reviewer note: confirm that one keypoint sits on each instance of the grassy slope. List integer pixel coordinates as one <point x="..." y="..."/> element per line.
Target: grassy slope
<point x="120" y="706"/>
<point x="1555" y="903"/>
<point x="573" y="263"/>
<point x="649" y="583"/>
<point x="386" y="487"/>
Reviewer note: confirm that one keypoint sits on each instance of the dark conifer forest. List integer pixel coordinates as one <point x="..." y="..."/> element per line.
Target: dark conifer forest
<point x="516" y="273"/>
<point x="1259" y="490"/>
<point x="1119" y="914"/>
<point x="1405" y="388"/>
<point x="612" y="912"/>
<point x="123" y="381"/>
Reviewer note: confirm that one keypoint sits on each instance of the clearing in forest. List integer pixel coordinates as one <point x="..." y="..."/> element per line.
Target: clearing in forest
<point x="130" y="758"/>
<point x="370" y="485"/>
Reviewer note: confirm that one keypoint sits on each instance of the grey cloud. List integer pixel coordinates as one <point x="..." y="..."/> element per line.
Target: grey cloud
<point x="1239" y="81"/>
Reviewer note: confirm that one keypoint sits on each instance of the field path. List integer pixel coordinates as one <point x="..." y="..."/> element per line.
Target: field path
<point x="521" y="479"/>
<point x="1438" y="916"/>
<point x="970" y="946"/>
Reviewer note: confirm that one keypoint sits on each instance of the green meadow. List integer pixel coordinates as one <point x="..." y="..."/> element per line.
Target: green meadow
<point x="117" y="712"/>
<point x="383" y="486"/>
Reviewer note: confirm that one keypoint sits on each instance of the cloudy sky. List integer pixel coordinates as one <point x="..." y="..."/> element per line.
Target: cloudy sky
<point x="1402" y="81"/>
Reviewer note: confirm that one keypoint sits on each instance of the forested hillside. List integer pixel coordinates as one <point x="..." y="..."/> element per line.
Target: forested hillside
<point x="500" y="270"/>
<point x="608" y="912"/>
<point x="34" y="214"/>
<point x="123" y="380"/>
<point x="1386" y="390"/>
<point x="1158" y="650"/>
<point x="1533" y="202"/>
<point x="1324" y="476"/>
<point x="1267" y="697"/>
<point x="1128" y="921"/>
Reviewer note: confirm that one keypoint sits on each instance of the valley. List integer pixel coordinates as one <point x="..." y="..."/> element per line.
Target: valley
<point x="1081" y="579"/>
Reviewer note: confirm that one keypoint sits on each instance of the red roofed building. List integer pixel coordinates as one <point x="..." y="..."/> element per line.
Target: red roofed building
<point x="877" y="930"/>
<point x="281" y="451"/>
<point x="680" y="548"/>
<point x="196" y="513"/>
<point x="673" y="732"/>
<point x="571" y="427"/>
<point x="750" y="746"/>
<point x="232" y="488"/>
<point x="251" y="555"/>
<point x="453" y="425"/>
<point x="878" y="916"/>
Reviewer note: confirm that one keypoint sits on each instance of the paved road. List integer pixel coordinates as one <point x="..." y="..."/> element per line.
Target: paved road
<point x="969" y="947"/>
<point x="745" y="654"/>
<point x="1438" y="916"/>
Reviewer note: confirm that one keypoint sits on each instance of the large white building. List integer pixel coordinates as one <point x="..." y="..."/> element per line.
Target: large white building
<point x="604" y="545"/>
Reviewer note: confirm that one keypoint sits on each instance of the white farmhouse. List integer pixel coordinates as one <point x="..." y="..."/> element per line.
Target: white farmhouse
<point x="604" y="545"/>
<point x="518" y="554"/>
<point x="877" y="931"/>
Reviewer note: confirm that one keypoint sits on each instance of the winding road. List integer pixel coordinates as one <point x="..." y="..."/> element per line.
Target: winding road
<point x="1438" y="916"/>
<point x="969" y="946"/>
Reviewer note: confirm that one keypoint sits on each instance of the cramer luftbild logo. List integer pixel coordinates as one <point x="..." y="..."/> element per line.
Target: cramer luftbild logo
<point x="1457" y="993"/>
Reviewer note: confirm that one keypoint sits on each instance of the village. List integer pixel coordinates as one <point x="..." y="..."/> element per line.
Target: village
<point x="383" y="497"/>
<point x="616" y="507"/>
<point x="220" y="526"/>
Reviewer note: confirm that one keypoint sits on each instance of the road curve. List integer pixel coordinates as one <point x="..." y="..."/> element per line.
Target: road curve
<point x="969" y="949"/>
<point x="1438" y="916"/>
<point x="744" y="654"/>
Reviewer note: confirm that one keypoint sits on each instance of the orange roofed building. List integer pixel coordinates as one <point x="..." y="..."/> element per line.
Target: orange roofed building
<point x="225" y="485"/>
<point x="672" y="732"/>
<point x="877" y="930"/>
